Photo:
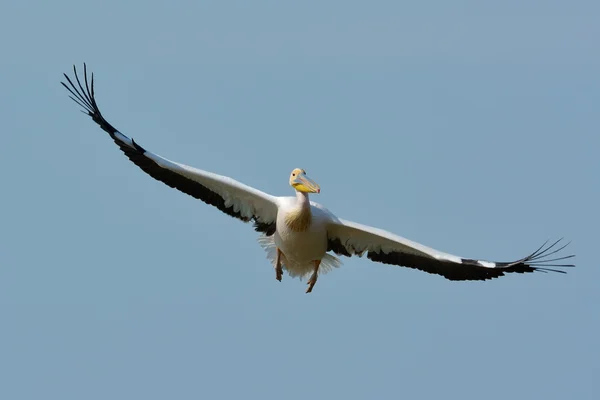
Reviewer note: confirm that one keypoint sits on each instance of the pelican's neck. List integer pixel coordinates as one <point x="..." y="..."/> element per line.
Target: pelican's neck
<point x="302" y="200"/>
<point x="300" y="218"/>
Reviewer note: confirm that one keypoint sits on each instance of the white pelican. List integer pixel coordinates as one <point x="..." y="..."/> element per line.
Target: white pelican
<point x="297" y="233"/>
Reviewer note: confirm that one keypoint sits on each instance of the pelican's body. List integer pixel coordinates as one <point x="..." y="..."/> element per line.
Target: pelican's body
<point x="297" y="234"/>
<point x="300" y="245"/>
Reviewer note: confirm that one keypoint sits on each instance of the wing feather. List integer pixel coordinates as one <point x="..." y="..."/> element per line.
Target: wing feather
<point x="349" y="238"/>
<point x="228" y="195"/>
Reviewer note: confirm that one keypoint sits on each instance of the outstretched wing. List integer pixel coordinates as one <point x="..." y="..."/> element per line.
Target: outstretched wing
<point x="226" y="194"/>
<point x="349" y="238"/>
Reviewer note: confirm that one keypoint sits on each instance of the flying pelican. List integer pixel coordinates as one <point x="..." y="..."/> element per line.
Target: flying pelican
<point x="297" y="233"/>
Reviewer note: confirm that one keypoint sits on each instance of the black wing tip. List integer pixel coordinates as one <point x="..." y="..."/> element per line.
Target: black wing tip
<point x="541" y="260"/>
<point x="83" y="95"/>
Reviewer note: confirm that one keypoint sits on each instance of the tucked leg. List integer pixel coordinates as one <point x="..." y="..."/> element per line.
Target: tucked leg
<point x="278" y="269"/>
<point x="314" y="276"/>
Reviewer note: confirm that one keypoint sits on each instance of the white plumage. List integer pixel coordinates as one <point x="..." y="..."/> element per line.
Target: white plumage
<point x="297" y="234"/>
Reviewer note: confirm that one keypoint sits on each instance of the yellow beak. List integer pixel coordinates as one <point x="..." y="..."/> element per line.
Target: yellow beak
<point x="303" y="183"/>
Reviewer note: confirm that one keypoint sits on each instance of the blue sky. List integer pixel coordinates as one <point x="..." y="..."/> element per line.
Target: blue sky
<point x="471" y="127"/>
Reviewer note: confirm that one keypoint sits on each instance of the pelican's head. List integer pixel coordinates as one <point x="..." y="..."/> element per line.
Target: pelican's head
<point x="302" y="183"/>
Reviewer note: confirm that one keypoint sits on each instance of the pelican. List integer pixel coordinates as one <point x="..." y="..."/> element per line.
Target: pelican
<point x="297" y="234"/>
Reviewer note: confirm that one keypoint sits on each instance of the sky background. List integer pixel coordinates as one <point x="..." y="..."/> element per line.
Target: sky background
<point x="471" y="127"/>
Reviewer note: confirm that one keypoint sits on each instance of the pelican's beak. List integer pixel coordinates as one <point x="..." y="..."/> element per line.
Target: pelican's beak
<point x="303" y="183"/>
